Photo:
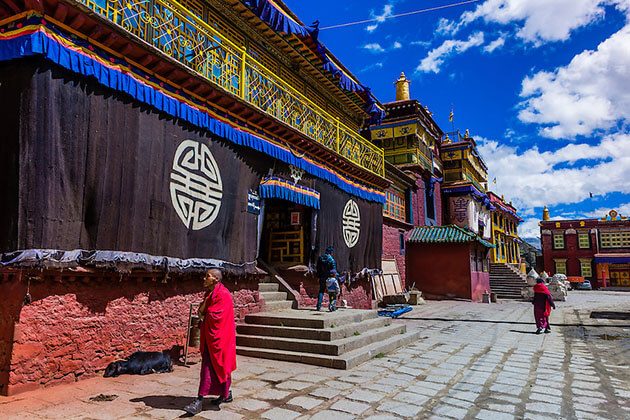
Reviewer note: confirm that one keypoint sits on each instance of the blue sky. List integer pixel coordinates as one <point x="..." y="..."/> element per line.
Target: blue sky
<point x="543" y="85"/>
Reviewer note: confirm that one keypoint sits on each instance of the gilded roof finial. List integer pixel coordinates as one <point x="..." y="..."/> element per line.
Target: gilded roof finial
<point x="546" y="217"/>
<point x="402" y="88"/>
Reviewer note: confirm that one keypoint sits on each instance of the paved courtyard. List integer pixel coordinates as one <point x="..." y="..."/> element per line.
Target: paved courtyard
<point x="473" y="361"/>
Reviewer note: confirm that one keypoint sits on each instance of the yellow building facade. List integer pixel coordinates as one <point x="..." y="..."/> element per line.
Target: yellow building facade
<point x="505" y="221"/>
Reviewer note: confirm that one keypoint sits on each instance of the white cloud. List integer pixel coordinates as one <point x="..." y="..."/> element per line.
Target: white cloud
<point x="538" y="21"/>
<point x="436" y="57"/>
<point x="497" y="43"/>
<point x="397" y="45"/>
<point x="447" y="27"/>
<point x="374" y="48"/>
<point x="533" y="179"/>
<point x="622" y="209"/>
<point x="424" y="44"/>
<point x="590" y="93"/>
<point x="371" y="67"/>
<point x="388" y="11"/>
<point x="529" y="228"/>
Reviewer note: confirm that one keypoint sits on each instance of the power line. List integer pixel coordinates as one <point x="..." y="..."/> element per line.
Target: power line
<point x="415" y="12"/>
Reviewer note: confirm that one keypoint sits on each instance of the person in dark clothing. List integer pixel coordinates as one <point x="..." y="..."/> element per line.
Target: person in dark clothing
<point x="543" y="302"/>
<point x="325" y="265"/>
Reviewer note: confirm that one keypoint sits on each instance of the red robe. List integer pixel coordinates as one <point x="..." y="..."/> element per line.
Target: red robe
<point x="218" y="332"/>
<point x="543" y="290"/>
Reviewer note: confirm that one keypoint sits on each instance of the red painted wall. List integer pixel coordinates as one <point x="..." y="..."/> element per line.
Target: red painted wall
<point x="358" y="294"/>
<point x="571" y="252"/>
<point x="479" y="284"/>
<point x="419" y="215"/>
<point x="438" y="203"/>
<point x="391" y="245"/>
<point x="73" y="329"/>
<point x="392" y="228"/>
<point x="440" y="270"/>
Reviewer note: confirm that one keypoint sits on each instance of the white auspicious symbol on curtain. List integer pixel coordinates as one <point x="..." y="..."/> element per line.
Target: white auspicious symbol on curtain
<point x="196" y="186"/>
<point x="351" y="223"/>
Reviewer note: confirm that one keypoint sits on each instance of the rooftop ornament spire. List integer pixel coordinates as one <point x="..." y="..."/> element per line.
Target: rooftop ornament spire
<point x="546" y="217"/>
<point x="402" y="88"/>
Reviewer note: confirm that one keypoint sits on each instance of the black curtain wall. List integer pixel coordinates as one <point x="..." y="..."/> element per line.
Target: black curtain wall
<point x="96" y="172"/>
<point x="351" y="253"/>
<point x="84" y="167"/>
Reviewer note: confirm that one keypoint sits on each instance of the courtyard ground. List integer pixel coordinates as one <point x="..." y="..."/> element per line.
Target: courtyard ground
<point x="472" y="361"/>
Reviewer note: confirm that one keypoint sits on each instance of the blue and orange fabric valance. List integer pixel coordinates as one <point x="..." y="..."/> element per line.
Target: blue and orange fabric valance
<point x="33" y="38"/>
<point x="273" y="187"/>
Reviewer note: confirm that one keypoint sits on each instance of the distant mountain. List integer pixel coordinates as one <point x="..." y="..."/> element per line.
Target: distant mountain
<point x="532" y="243"/>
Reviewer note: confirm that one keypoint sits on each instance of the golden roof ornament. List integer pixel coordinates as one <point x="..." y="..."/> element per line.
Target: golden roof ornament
<point x="613" y="214"/>
<point x="546" y="217"/>
<point x="402" y="88"/>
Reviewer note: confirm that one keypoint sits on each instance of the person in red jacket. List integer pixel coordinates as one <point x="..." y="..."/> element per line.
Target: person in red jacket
<point x="543" y="302"/>
<point x="218" y="343"/>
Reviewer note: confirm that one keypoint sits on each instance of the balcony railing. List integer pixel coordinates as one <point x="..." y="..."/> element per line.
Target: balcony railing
<point x="180" y="34"/>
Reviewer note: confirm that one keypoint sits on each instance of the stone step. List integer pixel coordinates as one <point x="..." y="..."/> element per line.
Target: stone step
<point x="273" y="296"/>
<point x="310" y="319"/>
<point x="345" y="361"/>
<point x="506" y="280"/>
<point x="331" y="348"/>
<point x="507" y="276"/>
<point x="268" y="287"/>
<point x="507" y="293"/>
<point x="329" y="334"/>
<point x="278" y="305"/>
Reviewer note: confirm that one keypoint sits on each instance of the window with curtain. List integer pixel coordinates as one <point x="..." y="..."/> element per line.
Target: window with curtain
<point x="558" y="241"/>
<point x="584" y="240"/>
<point x="395" y="207"/>
<point x="561" y="267"/>
<point x="615" y="239"/>
<point x="586" y="268"/>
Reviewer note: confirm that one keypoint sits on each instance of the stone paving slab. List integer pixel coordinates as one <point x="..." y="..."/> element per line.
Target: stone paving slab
<point x="473" y="361"/>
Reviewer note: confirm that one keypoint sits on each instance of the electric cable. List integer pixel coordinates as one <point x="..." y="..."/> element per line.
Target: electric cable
<point x="415" y="12"/>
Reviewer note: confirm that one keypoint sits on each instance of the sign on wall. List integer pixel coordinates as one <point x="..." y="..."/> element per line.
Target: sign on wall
<point x="196" y="186"/>
<point x="253" y="202"/>
<point x="351" y="223"/>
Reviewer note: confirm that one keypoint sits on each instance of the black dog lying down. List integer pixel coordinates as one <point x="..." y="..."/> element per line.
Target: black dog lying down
<point x="141" y="363"/>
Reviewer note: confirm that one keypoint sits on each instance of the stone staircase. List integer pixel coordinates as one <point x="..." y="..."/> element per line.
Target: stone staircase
<point x="274" y="299"/>
<point x="506" y="281"/>
<point x="340" y="340"/>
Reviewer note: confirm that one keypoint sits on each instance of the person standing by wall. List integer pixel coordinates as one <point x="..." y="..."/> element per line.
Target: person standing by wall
<point x="218" y="343"/>
<point x="325" y="265"/>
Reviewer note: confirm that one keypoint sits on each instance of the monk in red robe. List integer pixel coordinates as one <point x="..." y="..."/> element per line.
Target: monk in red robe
<point x="218" y="343"/>
<point x="543" y="302"/>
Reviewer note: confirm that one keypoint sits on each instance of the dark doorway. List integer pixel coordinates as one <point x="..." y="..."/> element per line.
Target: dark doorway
<point x="286" y="233"/>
